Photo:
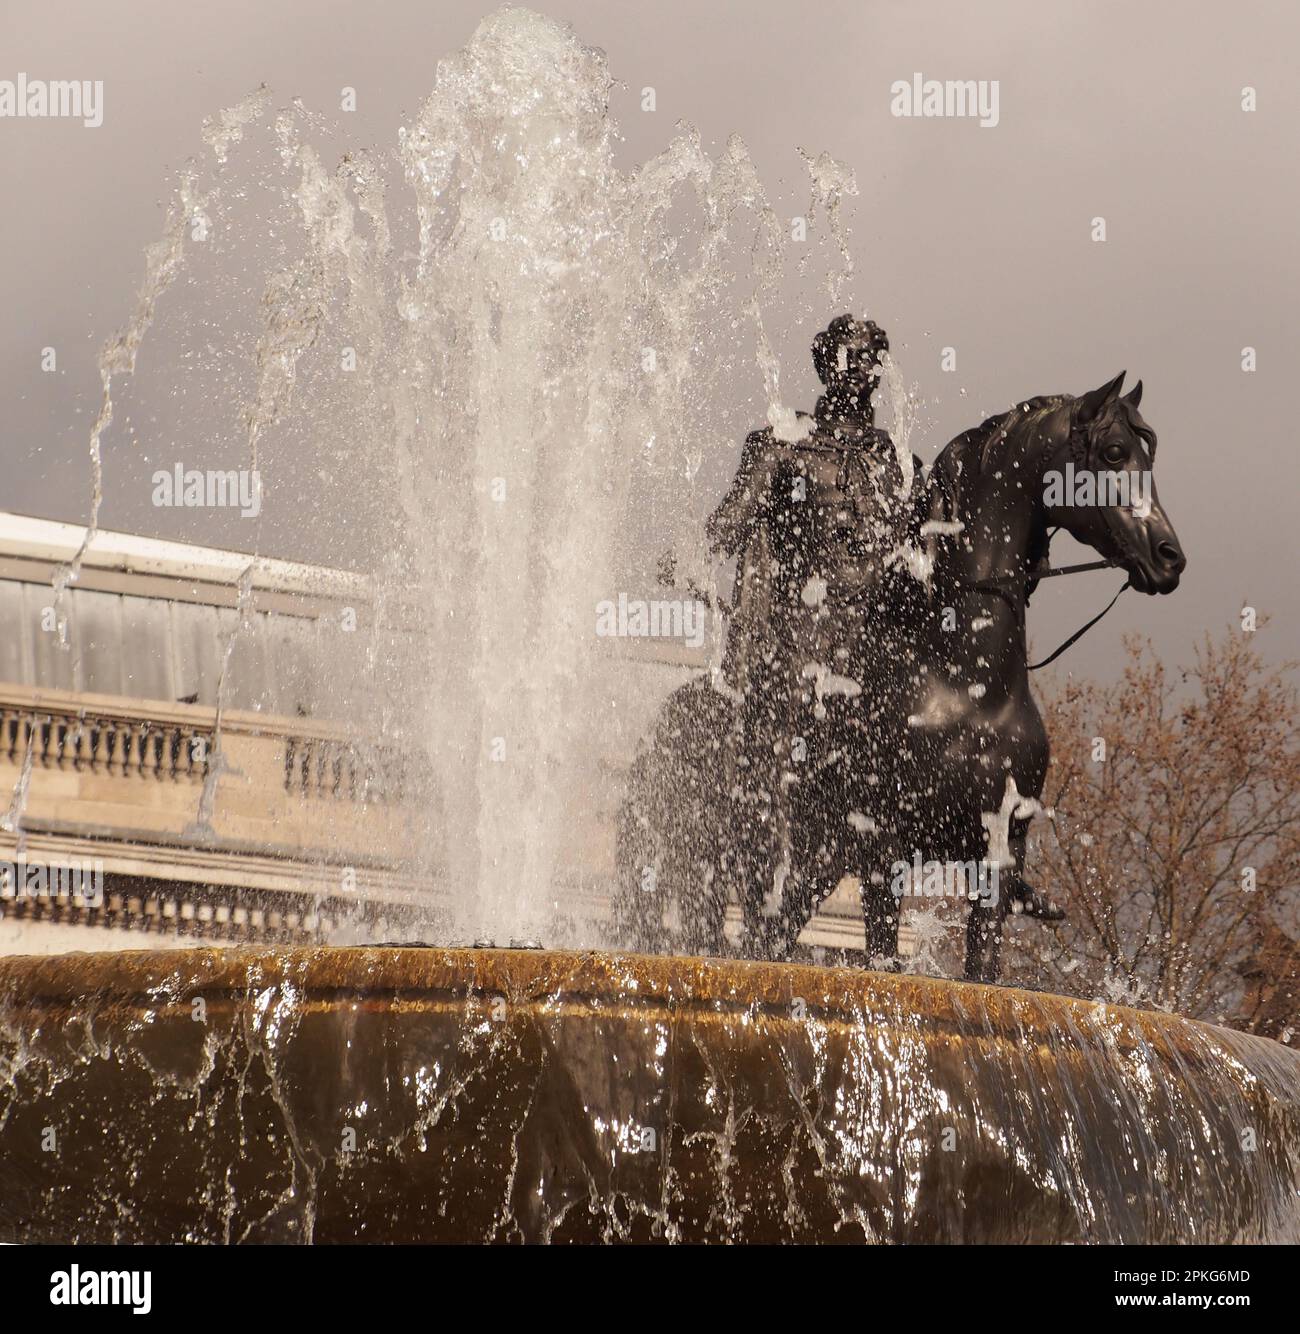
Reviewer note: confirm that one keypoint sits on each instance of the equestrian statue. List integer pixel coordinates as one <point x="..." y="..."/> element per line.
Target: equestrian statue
<point x="872" y="710"/>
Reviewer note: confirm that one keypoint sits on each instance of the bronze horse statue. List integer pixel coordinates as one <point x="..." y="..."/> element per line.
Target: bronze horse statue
<point x="942" y="755"/>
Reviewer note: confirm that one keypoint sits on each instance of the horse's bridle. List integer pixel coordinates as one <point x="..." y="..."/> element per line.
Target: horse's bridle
<point x="1013" y="588"/>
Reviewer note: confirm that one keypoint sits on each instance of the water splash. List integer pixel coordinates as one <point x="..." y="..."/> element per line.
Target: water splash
<point x="12" y="820"/>
<point x="536" y="340"/>
<point x="832" y="182"/>
<point x="218" y="766"/>
<point x="535" y="384"/>
<point x="163" y="261"/>
<point x="904" y="409"/>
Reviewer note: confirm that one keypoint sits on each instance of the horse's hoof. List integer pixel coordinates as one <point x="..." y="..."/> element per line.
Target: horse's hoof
<point x="884" y="963"/>
<point x="1026" y="901"/>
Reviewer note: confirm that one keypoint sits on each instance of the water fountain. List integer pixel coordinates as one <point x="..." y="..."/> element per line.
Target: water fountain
<point x="420" y="1095"/>
<point x="533" y="397"/>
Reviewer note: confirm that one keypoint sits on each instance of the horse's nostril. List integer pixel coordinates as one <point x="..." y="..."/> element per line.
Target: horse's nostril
<point x="1169" y="553"/>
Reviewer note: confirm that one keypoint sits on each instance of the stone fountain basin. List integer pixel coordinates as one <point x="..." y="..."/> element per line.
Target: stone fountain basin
<point x="417" y="1094"/>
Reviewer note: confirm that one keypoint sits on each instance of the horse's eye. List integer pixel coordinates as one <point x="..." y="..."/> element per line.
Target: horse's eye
<point x="1114" y="453"/>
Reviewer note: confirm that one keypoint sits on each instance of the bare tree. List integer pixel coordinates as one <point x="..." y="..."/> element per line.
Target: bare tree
<point x="1174" y="842"/>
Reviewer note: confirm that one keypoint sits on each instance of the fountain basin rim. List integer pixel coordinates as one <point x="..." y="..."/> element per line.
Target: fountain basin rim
<point x="564" y="981"/>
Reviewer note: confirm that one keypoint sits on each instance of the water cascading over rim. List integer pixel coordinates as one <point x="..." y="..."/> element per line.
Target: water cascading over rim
<point x="394" y="1095"/>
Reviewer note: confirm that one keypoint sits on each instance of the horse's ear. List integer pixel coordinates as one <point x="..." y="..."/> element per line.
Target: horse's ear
<point x="1091" y="403"/>
<point x="1134" y="395"/>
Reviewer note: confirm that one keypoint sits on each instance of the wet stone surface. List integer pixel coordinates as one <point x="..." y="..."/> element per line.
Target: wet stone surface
<point x="430" y="1094"/>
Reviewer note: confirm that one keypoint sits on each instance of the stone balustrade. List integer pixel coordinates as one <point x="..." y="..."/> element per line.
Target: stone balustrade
<point x="299" y="806"/>
<point x="339" y="769"/>
<point x="67" y="737"/>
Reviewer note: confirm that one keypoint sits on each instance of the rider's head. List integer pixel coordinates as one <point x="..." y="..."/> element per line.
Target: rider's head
<point x="847" y="356"/>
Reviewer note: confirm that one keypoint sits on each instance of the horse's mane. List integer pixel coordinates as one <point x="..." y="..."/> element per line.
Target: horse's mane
<point x="972" y="452"/>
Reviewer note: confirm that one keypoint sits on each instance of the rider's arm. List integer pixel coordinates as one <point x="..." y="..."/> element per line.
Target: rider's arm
<point x="732" y="523"/>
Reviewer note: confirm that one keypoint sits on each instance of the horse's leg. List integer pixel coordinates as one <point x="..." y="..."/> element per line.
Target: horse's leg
<point x="747" y="838"/>
<point x="693" y="859"/>
<point x="766" y="860"/>
<point x="759" y="860"/>
<point x="984" y="940"/>
<point x="881" y="909"/>
<point x="819" y="834"/>
<point x="709" y="881"/>
<point x="803" y="895"/>
<point x="714" y="912"/>
<point x="670" y="826"/>
<point x="873" y="769"/>
<point x="736" y="868"/>
<point x="720" y="842"/>
<point x="703" y="888"/>
<point x="1023" y="899"/>
<point x="638" y="896"/>
<point x="984" y="926"/>
<point x="880" y="917"/>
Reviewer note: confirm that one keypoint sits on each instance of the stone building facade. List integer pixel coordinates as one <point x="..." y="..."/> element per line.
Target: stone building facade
<point x="194" y="739"/>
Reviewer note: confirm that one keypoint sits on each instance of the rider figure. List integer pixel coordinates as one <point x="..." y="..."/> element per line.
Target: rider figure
<point x="813" y="517"/>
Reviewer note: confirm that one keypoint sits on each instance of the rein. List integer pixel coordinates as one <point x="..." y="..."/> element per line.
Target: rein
<point x="1003" y="585"/>
<point x="1076" y="569"/>
<point x="1083" y="629"/>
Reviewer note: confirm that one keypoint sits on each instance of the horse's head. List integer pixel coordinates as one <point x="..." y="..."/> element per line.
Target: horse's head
<point x="1099" y="487"/>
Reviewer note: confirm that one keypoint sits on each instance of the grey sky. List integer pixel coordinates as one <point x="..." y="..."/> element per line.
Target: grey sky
<point x="978" y="239"/>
